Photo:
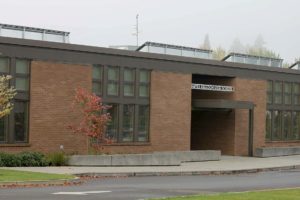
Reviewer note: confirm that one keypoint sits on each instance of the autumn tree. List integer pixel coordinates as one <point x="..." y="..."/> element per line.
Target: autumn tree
<point x="93" y="117"/>
<point x="7" y="93"/>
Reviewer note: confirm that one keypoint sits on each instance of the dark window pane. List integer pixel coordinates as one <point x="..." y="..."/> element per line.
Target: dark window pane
<point x="144" y="76"/>
<point x="112" y="128"/>
<point x="22" y="84"/>
<point x="269" y="92"/>
<point x="278" y="92"/>
<point x="22" y="66"/>
<point x="143" y="124"/>
<point x="113" y="89"/>
<point x="287" y="125"/>
<point x="144" y="91"/>
<point x="268" y="124"/>
<point x="129" y="90"/>
<point x="21" y="121"/>
<point x="276" y="133"/>
<point x="2" y="130"/>
<point x="287" y="93"/>
<point x="128" y="121"/>
<point x="129" y="75"/>
<point x="4" y="65"/>
<point x="296" y="93"/>
<point x="113" y="74"/>
<point x="97" y="72"/>
<point x="296" y="125"/>
<point x="97" y="89"/>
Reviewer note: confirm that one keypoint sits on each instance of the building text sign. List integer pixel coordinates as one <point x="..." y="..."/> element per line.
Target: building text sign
<point x="220" y="88"/>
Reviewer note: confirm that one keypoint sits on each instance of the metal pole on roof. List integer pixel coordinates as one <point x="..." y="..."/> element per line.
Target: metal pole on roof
<point x="136" y="33"/>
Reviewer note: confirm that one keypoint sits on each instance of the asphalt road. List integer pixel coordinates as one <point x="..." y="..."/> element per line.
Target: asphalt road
<point x="137" y="188"/>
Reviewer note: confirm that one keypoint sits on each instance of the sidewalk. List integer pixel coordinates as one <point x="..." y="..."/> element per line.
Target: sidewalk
<point x="227" y="165"/>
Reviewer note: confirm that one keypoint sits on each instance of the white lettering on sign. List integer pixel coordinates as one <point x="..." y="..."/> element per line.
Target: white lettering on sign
<point x="220" y="88"/>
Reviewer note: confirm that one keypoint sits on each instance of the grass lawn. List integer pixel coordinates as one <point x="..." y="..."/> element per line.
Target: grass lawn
<point x="13" y="175"/>
<point x="286" y="194"/>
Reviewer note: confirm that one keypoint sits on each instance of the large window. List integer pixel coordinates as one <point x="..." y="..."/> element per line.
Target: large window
<point x="283" y="107"/>
<point x="14" y="127"/>
<point x="127" y="91"/>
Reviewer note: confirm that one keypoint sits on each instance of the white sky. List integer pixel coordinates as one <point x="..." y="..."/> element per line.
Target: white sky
<point x="181" y="22"/>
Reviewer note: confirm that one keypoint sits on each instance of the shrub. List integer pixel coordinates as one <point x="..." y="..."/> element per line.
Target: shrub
<point x="32" y="159"/>
<point x="57" y="159"/>
<point x="10" y="160"/>
<point x="26" y="159"/>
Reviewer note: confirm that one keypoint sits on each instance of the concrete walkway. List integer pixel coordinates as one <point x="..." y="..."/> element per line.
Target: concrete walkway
<point x="227" y="164"/>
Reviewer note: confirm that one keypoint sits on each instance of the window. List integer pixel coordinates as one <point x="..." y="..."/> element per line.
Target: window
<point x="128" y="122"/>
<point x="287" y="125"/>
<point x="143" y="123"/>
<point x="4" y="65"/>
<point x="3" y="131"/>
<point x="278" y="92"/>
<point x="144" y="79"/>
<point x="268" y="125"/>
<point x="113" y="81"/>
<point x="270" y="92"/>
<point x="14" y="128"/>
<point x="287" y="93"/>
<point x="276" y="125"/>
<point x="127" y="91"/>
<point x="21" y="121"/>
<point x="296" y="125"/>
<point x="22" y="75"/>
<point x="112" y="128"/>
<point x="296" y="93"/>
<point x="129" y="82"/>
<point x="97" y="79"/>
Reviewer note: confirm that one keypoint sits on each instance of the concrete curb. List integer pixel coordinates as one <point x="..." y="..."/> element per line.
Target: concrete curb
<point x="185" y="173"/>
<point x="60" y="182"/>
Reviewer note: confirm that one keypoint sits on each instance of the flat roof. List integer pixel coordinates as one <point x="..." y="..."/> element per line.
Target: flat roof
<point x="73" y="53"/>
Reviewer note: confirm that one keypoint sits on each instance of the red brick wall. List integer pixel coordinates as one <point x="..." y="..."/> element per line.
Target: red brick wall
<point x="213" y="130"/>
<point x="51" y="94"/>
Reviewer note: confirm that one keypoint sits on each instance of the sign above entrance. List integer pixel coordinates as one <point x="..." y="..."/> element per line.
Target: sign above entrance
<point x="220" y="88"/>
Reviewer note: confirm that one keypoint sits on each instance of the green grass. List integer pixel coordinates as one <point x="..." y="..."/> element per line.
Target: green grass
<point x="13" y="175"/>
<point x="287" y="194"/>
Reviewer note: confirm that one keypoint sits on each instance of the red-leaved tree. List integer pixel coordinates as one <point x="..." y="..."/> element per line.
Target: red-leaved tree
<point x="94" y="117"/>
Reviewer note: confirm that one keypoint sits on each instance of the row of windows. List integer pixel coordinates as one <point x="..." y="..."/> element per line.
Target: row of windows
<point x="282" y="125"/>
<point x="130" y="123"/>
<point x="126" y="81"/>
<point x="283" y="93"/>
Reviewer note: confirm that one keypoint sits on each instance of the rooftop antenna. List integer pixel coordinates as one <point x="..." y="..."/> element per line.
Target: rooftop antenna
<point x="136" y="33"/>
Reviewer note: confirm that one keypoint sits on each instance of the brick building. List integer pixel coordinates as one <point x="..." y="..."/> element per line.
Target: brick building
<point x="160" y="102"/>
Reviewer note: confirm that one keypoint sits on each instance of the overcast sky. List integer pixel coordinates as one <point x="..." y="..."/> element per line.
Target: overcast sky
<point x="181" y="22"/>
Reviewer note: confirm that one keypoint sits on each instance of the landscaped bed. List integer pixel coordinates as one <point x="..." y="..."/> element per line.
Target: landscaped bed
<point x="14" y="176"/>
<point x="286" y="194"/>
